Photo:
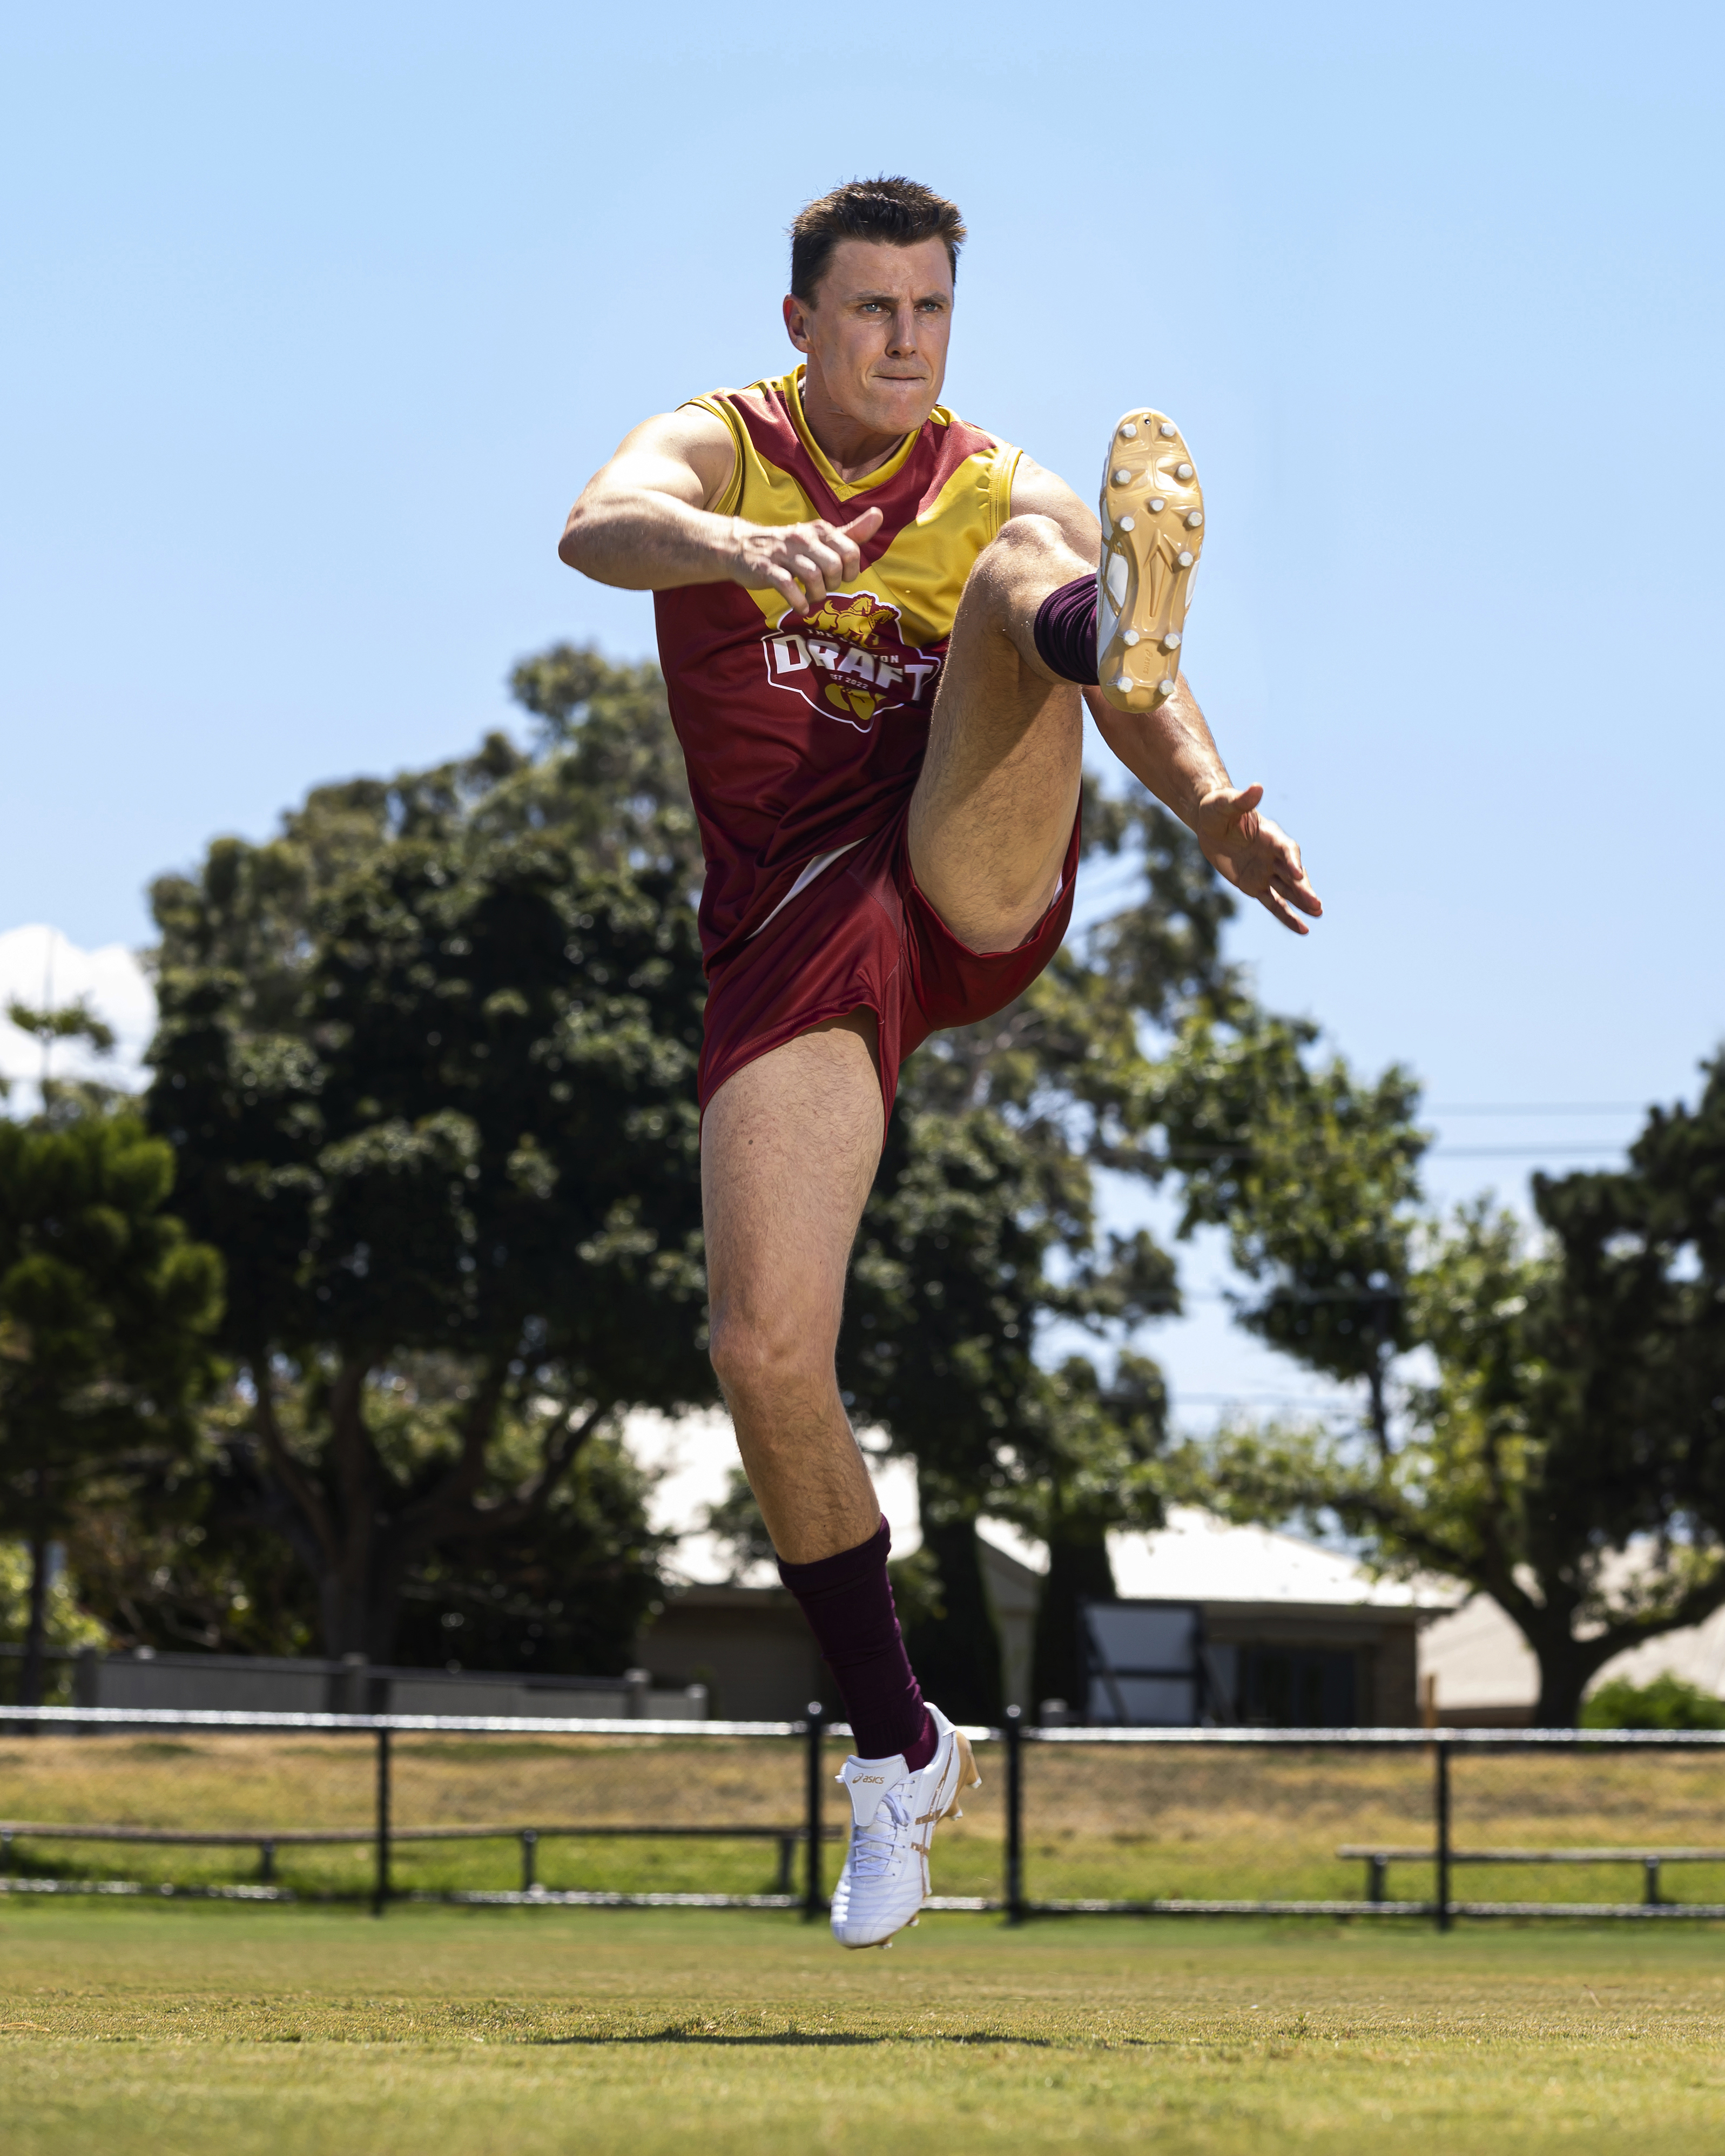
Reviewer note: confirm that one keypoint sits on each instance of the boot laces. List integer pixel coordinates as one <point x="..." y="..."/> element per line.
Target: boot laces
<point x="872" y="1847"/>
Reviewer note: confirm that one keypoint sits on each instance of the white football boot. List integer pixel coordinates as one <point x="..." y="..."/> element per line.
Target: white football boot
<point x="1152" y="512"/>
<point x="884" y="1881"/>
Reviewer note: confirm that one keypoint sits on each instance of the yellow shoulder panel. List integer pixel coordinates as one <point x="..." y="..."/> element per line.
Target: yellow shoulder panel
<point x="927" y="564"/>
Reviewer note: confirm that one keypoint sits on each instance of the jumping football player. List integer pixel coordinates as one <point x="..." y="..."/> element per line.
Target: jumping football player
<point x="880" y="628"/>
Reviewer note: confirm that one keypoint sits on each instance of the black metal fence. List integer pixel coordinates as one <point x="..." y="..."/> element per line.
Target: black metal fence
<point x="634" y="1813"/>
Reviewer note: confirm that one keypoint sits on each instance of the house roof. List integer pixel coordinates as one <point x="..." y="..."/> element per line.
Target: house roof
<point x="1198" y="1558"/>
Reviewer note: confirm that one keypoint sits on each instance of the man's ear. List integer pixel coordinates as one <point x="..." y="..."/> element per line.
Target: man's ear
<point x="796" y="320"/>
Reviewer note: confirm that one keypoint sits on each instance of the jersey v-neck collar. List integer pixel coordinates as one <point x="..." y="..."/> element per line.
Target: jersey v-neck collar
<point x="843" y="488"/>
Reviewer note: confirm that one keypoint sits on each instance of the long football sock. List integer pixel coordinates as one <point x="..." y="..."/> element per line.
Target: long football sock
<point x="848" y="1601"/>
<point x="1066" y="632"/>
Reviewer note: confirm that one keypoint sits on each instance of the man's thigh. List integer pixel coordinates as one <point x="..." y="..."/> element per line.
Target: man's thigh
<point x="992" y="810"/>
<point x="788" y="1150"/>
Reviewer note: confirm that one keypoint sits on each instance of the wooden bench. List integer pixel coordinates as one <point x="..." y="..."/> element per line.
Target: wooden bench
<point x="266" y="1841"/>
<point x="1379" y="1858"/>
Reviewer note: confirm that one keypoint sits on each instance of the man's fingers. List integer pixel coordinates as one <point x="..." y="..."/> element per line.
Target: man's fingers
<point x="814" y="583"/>
<point x="1271" y="902"/>
<point x="864" y="526"/>
<point x="1298" y="892"/>
<point x="789" y="589"/>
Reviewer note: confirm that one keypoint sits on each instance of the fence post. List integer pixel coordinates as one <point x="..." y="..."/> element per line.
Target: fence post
<point x="1014" y="1817"/>
<point x="530" y="1854"/>
<point x="813" y="1900"/>
<point x="1441" y="1752"/>
<point x="380" y="1882"/>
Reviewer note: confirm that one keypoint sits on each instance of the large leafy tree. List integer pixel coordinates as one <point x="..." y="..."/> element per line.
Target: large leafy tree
<point x="1565" y="1457"/>
<point x="198" y="1553"/>
<point x="426" y="1058"/>
<point x="1315" y="1177"/>
<point x="107" y="1312"/>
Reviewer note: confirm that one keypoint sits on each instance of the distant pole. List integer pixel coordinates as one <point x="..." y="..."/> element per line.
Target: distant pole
<point x="1014" y="1815"/>
<point x="813" y="1900"/>
<point x="380" y="1882"/>
<point x="1442" y="1751"/>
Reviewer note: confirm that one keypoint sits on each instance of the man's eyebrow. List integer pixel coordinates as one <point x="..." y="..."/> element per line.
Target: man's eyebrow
<point x="856" y="298"/>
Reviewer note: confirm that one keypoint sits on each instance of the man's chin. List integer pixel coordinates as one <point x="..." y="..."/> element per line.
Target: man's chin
<point x="903" y="414"/>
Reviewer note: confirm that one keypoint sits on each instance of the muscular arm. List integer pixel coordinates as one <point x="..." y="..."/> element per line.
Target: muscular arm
<point x="1171" y="750"/>
<point x="643" y="521"/>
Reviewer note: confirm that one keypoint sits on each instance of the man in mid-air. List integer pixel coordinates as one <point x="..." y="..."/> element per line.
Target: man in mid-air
<point x="880" y="628"/>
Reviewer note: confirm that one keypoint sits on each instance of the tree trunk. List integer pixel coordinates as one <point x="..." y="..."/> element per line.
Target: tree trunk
<point x="1078" y="1572"/>
<point x="957" y="1657"/>
<point x="29" y="1683"/>
<point x="1375" y="1387"/>
<point x="1565" y="1665"/>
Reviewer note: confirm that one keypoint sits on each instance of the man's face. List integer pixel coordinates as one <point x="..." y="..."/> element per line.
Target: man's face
<point x="877" y="335"/>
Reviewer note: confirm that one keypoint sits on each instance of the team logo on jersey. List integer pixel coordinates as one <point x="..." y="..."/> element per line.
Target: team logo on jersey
<point x="848" y="661"/>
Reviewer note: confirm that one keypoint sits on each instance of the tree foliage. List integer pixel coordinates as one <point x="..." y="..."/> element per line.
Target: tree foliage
<point x="426" y="1058"/>
<point x="107" y="1310"/>
<point x="1565" y="1457"/>
<point x="1314" y="1176"/>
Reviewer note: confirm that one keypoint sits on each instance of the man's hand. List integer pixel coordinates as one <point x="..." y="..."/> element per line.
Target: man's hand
<point x="802" y="562"/>
<point x="1256" y="856"/>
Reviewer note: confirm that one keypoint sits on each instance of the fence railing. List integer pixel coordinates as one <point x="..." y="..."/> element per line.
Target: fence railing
<point x="637" y="1813"/>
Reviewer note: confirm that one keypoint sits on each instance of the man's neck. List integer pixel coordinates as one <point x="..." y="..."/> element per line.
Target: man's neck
<point x="853" y="448"/>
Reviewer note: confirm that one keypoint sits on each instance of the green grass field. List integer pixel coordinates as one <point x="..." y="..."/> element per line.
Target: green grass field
<point x="193" y="2028"/>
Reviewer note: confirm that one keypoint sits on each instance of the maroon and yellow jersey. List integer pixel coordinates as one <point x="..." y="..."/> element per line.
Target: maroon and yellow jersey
<point x="803" y="733"/>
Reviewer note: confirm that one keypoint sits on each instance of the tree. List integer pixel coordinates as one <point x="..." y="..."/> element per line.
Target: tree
<point x="1561" y="1459"/>
<point x="1096" y="1460"/>
<point x="196" y="1554"/>
<point x="426" y="1060"/>
<point x="1315" y="1178"/>
<point x="107" y="1312"/>
<point x="564" y="1592"/>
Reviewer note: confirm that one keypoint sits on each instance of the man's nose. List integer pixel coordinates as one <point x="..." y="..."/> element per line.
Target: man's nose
<point x="904" y="329"/>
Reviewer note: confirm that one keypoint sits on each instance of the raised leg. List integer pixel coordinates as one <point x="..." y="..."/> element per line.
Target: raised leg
<point x="789" y="1147"/>
<point x="993" y="811"/>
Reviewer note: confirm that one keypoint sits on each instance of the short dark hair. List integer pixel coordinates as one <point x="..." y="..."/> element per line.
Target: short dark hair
<point x="894" y="209"/>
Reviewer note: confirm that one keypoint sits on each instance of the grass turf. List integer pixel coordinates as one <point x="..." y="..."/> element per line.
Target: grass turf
<point x="188" y="2029"/>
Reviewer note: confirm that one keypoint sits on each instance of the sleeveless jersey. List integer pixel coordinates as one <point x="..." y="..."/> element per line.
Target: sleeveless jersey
<point x="803" y="734"/>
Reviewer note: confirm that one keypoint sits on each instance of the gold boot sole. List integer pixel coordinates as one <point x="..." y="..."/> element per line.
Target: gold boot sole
<point x="1151" y="511"/>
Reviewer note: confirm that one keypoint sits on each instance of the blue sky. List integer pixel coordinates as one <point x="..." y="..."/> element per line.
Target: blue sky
<point x="317" y="319"/>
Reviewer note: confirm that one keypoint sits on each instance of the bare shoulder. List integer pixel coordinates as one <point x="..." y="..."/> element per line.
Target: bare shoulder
<point x="688" y="454"/>
<point x="1036" y="491"/>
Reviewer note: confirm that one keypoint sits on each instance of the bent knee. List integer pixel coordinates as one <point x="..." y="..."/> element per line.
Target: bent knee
<point x="1027" y="558"/>
<point x="756" y="1358"/>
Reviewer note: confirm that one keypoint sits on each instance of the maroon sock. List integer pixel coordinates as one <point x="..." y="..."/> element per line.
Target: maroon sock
<point x="848" y="1601"/>
<point x="1066" y="632"/>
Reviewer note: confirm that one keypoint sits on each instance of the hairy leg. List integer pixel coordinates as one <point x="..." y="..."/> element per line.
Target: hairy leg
<point x="992" y="810"/>
<point x="788" y="1150"/>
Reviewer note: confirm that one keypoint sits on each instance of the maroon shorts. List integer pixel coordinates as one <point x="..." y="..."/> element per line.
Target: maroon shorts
<point x="863" y="936"/>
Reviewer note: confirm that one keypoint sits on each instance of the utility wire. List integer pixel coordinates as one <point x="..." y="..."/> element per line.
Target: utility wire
<point x="1537" y="1108"/>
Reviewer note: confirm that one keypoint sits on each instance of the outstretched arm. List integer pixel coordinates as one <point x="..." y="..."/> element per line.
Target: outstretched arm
<point x="1170" y="750"/>
<point x="643" y="521"/>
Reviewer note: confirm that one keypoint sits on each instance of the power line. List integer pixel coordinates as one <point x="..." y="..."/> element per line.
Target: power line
<point x="1536" y="1108"/>
<point x="1588" y="1146"/>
